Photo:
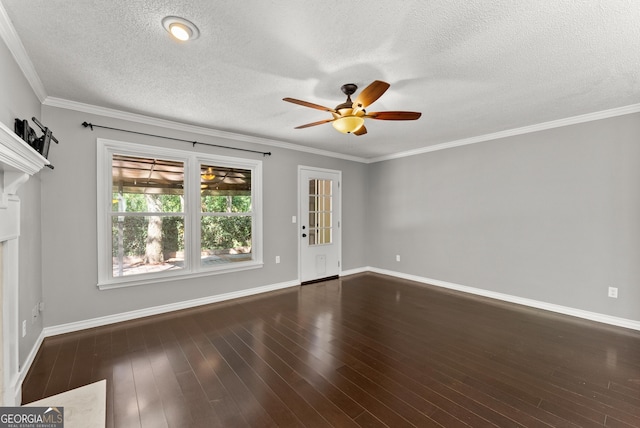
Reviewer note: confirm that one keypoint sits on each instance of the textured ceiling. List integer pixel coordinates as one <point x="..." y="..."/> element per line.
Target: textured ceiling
<point x="471" y="67"/>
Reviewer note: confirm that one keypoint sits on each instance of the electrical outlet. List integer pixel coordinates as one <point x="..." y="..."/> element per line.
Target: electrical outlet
<point x="613" y="292"/>
<point x="397" y="257"/>
<point x="277" y="259"/>
<point x="24" y="328"/>
<point x="41" y="306"/>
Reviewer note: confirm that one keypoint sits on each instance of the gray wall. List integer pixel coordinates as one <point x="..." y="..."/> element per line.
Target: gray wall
<point x="69" y="265"/>
<point x="19" y="101"/>
<point x="551" y="216"/>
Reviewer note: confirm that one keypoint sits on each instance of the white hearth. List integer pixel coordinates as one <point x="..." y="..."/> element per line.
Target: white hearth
<point x="18" y="162"/>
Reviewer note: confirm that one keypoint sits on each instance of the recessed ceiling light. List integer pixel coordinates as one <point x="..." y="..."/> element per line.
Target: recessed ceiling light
<point x="180" y="28"/>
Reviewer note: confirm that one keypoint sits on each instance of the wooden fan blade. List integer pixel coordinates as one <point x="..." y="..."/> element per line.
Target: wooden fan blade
<point x="320" y="122"/>
<point x="308" y="104"/>
<point x="361" y="131"/>
<point x="394" y="115"/>
<point x="371" y="93"/>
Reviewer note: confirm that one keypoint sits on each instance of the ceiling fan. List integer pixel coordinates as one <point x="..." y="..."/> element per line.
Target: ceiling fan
<point x="349" y="116"/>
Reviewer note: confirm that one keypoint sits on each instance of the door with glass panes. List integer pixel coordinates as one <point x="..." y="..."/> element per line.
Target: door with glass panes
<point x="319" y="224"/>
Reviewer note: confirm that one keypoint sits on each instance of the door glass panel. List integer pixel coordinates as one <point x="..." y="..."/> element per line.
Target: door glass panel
<point x="320" y="212"/>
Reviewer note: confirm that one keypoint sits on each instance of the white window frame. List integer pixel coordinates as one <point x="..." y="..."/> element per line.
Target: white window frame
<point x="192" y="160"/>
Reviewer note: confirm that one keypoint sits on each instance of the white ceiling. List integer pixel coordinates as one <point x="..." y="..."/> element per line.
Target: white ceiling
<point x="472" y="67"/>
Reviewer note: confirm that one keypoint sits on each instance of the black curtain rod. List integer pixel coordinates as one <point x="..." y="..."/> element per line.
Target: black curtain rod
<point x="91" y="125"/>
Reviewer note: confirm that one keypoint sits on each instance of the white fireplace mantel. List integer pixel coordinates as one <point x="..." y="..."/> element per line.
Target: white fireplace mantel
<point x="18" y="162"/>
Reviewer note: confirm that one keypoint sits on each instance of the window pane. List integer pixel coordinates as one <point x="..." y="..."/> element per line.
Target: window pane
<point x="224" y="189"/>
<point x="228" y="204"/>
<point x="324" y="219"/>
<point x="146" y="244"/>
<point x="320" y="236"/>
<point x="147" y="185"/>
<point x="319" y="187"/>
<point x="320" y="206"/>
<point x="318" y="203"/>
<point x="225" y="239"/>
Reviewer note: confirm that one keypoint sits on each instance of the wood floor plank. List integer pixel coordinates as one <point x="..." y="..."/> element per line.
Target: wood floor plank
<point x="366" y="350"/>
<point x="435" y="399"/>
<point x="443" y="401"/>
<point x="311" y="370"/>
<point x="275" y="370"/>
<point x="369" y="402"/>
<point x="176" y="407"/>
<point x="196" y="399"/>
<point x="477" y="355"/>
<point x="273" y="396"/>
<point x="250" y="406"/>
<point x="445" y="375"/>
<point x="126" y="411"/>
<point x="35" y="383"/>
<point x="149" y="402"/>
<point x="61" y="371"/>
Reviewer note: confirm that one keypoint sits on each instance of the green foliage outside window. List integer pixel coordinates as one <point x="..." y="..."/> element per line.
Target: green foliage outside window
<point x="225" y="203"/>
<point x="225" y="232"/>
<point x="135" y="230"/>
<point x="218" y="232"/>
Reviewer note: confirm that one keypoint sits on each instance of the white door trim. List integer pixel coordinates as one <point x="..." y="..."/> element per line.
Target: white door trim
<point x="302" y="221"/>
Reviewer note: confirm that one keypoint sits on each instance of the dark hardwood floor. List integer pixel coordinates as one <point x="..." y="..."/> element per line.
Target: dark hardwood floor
<point x="365" y="350"/>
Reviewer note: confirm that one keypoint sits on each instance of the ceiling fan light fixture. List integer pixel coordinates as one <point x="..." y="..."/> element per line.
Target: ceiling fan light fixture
<point x="348" y="124"/>
<point x="208" y="175"/>
<point x="180" y="28"/>
<point x="349" y="116"/>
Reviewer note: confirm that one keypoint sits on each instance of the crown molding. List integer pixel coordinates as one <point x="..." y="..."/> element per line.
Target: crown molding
<point x="13" y="42"/>
<point x="589" y="117"/>
<point x="178" y="126"/>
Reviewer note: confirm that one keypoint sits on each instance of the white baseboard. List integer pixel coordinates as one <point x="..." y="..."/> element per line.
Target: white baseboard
<point x="126" y="316"/>
<point x="156" y="310"/>
<point x="579" y="313"/>
<point x="355" y="271"/>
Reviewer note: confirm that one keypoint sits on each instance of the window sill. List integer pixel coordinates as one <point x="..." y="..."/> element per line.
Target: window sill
<point x="165" y="277"/>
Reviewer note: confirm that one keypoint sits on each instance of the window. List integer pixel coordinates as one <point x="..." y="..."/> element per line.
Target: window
<point x="165" y="213"/>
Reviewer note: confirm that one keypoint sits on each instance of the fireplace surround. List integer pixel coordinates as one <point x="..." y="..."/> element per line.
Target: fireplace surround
<point x="18" y="162"/>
